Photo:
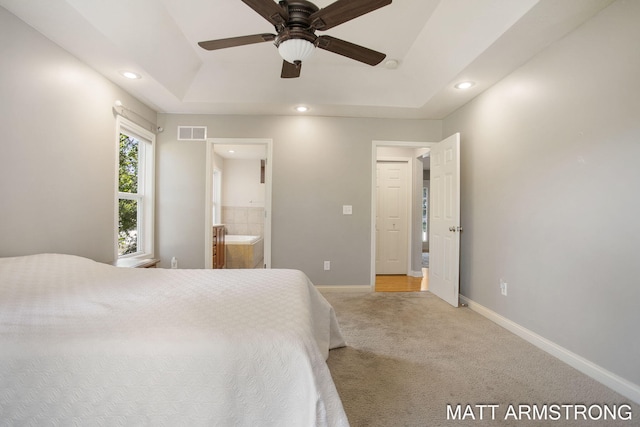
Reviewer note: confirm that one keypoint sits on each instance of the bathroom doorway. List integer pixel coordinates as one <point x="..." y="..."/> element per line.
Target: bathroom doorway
<point x="238" y="198"/>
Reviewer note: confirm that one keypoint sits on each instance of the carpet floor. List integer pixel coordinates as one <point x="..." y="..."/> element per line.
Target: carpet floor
<point x="411" y="359"/>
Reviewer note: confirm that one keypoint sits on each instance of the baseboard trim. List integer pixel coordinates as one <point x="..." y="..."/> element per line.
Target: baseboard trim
<point x="414" y="273"/>
<point x="345" y="288"/>
<point x="611" y="380"/>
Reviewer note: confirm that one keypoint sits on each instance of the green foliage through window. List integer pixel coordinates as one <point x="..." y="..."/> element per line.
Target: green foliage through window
<point x="128" y="183"/>
<point x="128" y="178"/>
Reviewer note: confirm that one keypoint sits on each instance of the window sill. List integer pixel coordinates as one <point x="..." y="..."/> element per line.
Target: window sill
<point x="136" y="262"/>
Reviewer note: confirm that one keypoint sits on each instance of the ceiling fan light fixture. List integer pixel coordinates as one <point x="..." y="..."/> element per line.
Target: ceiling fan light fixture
<point x="293" y="50"/>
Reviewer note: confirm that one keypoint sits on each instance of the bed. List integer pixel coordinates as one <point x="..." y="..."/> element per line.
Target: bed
<point x="85" y="343"/>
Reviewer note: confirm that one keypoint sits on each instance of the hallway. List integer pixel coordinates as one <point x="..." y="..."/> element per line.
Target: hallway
<point x="402" y="283"/>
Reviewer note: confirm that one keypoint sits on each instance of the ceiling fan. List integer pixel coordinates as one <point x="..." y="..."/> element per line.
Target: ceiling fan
<point x="296" y="22"/>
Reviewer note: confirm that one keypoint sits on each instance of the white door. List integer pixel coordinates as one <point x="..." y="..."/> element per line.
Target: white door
<point x="444" y="235"/>
<point x="392" y="232"/>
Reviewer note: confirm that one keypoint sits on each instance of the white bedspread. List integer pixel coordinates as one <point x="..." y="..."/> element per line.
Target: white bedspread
<point x="84" y="343"/>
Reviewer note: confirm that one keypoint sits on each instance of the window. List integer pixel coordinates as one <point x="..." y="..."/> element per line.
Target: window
<point x="135" y="190"/>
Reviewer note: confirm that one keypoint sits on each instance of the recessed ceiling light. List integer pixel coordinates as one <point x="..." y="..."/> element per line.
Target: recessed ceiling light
<point x="302" y="109"/>
<point x="464" y="85"/>
<point x="232" y="151"/>
<point x="131" y="75"/>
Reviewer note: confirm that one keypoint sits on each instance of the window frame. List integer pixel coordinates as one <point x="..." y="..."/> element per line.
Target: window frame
<point x="216" y="196"/>
<point x="146" y="188"/>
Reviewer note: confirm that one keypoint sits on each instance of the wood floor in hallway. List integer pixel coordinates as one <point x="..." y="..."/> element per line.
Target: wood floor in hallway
<point x="402" y="283"/>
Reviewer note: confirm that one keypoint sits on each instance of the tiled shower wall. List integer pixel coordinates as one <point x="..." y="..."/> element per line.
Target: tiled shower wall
<point x="247" y="221"/>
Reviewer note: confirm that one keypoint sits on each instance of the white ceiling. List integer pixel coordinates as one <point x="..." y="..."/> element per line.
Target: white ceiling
<point x="437" y="43"/>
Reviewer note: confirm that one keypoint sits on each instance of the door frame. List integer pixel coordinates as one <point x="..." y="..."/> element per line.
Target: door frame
<point x="374" y="159"/>
<point x="208" y="217"/>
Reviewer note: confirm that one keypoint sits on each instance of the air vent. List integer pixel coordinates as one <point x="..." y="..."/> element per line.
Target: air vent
<point x="192" y="133"/>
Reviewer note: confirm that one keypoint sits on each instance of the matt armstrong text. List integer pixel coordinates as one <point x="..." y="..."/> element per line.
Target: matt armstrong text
<point x="545" y="412"/>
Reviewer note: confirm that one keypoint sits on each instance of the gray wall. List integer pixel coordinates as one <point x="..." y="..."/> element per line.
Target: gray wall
<point x="58" y="145"/>
<point x="550" y="201"/>
<point x="319" y="164"/>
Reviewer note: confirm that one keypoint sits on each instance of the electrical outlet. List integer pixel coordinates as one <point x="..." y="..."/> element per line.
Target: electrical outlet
<point x="503" y="287"/>
<point x="327" y="265"/>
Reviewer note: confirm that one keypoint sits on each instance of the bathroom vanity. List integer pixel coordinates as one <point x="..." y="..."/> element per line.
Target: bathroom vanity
<point x="218" y="250"/>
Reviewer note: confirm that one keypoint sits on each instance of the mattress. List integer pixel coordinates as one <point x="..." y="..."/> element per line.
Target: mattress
<point x="85" y="343"/>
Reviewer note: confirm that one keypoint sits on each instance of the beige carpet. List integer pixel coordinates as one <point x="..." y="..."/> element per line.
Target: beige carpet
<point x="409" y="355"/>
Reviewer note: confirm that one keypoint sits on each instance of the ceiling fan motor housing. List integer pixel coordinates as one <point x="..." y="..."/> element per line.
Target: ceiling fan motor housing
<point x="298" y="26"/>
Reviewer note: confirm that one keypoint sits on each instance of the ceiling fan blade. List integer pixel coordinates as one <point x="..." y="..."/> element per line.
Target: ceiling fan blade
<point x="342" y="11"/>
<point x="269" y="10"/>
<point x="290" y="71"/>
<point x="350" y="50"/>
<point x="236" y="41"/>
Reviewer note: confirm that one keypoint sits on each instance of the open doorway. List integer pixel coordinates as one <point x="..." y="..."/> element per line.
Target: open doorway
<point x="238" y="200"/>
<point x="426" y="188"/>
<point x="399" y="216"/>
<point x="444" y="214"/>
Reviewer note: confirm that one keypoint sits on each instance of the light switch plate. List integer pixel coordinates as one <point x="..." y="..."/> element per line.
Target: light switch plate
<point x="347" y="209"/>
